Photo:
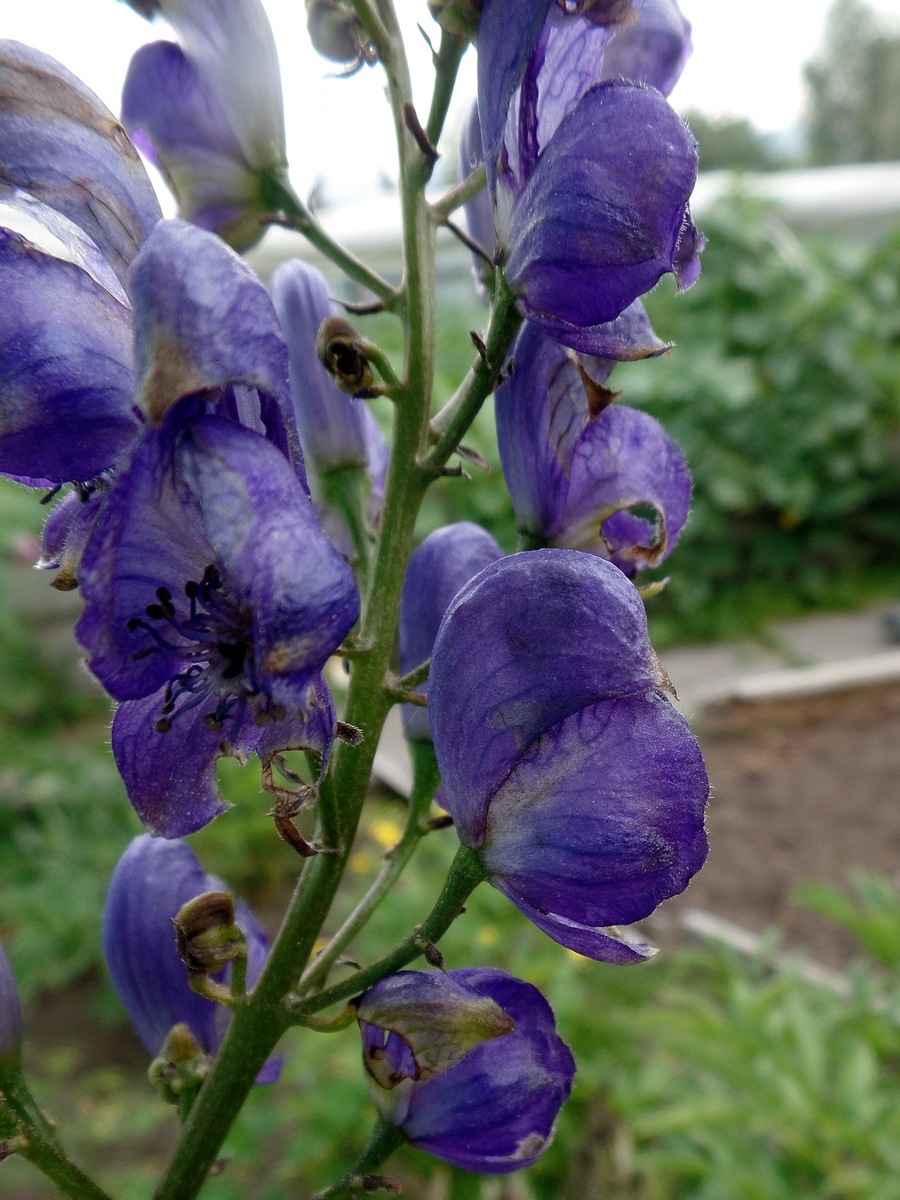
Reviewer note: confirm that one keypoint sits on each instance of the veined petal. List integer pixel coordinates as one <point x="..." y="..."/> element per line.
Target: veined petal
<point x="174" y="117"/>
<point x="62" y="146"/>
<point x="629" y="337"/>
<point x="654" y="49"/>
<point x="602" y="818"/>
<point x="66" y="379"/>
<point x="600" y="219"/>
<point x="530" y="640"/>
<point x="603" y="945"/>
<point x="203" y="321"/>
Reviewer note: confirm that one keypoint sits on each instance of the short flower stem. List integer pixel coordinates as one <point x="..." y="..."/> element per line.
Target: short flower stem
<point x="425" y="781"/>
<point x="456" y="196"/>
<point x="384" y="1141"/>
<point x="465" y="874"/>
<point x="451" y="423"/>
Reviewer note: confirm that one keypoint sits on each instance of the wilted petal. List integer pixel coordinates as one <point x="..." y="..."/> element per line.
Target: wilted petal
<point x="600" y="219"/>
<point x="66" y="382"/>
<point x="437" y="569"/>
<point x="171" y="777"/>
<point x="60" y="145"/>
<point x="530" y="640"/>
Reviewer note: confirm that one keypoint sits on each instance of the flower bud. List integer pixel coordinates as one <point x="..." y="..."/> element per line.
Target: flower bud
<point x="467" y="1064"/>
<point x="342" y="353"/>
<point x="337" y="33"/>
<point x="205" y="933"/>
<point x="457" y="16"/>
<point x="155" y="881"/>
<point x="10" y="1020"/>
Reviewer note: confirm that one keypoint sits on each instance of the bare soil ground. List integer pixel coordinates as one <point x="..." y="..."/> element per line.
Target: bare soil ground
<point x="802" y="789"/>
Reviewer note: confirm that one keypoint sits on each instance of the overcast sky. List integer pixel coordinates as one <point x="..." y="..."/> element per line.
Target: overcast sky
<point x="747" y="62"/>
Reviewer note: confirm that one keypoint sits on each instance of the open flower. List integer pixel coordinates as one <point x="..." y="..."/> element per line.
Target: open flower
<point x="468" y="1064"/>
<point x="574" y="472"/>
<point x="151" y="882"/>
<point x="10" y="1019"/>
<point x="563" y="765"/>
<point x="212" y="595"/>
<point x="552" y="129"/>
<point x="209" y="112"/>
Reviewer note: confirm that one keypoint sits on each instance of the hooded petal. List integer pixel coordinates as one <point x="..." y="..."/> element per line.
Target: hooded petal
<point x="437" y="569"/>
<point x="66" y="378"/>
<point x="654" y="49"/>
<point x="232" y="45"/>
<point x="63" y="147"/>
<point x="203" y="321"/>
<point x="530" y="640"/>
<point x="173" y="116"/>
<point x="600" y="220"/>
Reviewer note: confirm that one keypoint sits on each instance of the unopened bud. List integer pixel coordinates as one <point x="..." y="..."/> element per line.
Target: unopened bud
<point x="342" y="352"/>
<point x="181" y="1064"/>
<point x="206" y="935"/>
<point x="337" y="33"/>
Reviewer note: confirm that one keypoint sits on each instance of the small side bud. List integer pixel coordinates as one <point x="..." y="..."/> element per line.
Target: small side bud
<point x="337" y="33"/>
<point x="343" y="354"/>
<point x="181" y="1065"/>
<point x="206" y="935"/>
<point x="459" y="17"/>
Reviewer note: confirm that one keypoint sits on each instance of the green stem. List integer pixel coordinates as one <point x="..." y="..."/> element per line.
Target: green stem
<point x="465" y="874"/>
<point x="456" y="196"/>
<point x="384" y="1141"/>
<point x="451" y="423"/>
<point x="348" y="489"/>
<point x="293" y="214"/>
<point x="425" y="781"/>
<point x="32" y="1137"/>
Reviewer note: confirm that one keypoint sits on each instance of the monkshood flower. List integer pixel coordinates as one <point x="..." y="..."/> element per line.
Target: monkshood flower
<point x="468" y="1064"/>
<point x="616" y="145"/>
<point x="152" y="880"/>
<point x="335" y="430"/>
<point x="437" y="569"/>
<point x="10" y="1019"/>
<point x="208" y="112"/>
<point x="573" y="473"/>
<point x="564" y="766"/>
<point x="212" y="595"/>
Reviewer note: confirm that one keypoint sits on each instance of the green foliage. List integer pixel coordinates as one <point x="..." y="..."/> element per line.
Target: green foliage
<point x="733" y="143"/>
<point x="871" y="911"/>
<point x="784" y="391"/>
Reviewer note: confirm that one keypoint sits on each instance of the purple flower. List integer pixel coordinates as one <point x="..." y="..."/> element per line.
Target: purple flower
<point x="335" y="430"/>
<point x="653" y="49"/>
<point x="212" y="595"/>
<point x="468" y="1064"/>
<point x="573" y="473"/>
<point x="209" y="112"/>
<point x="563" y="765"/>
<point x="590" y="181"/>
<point x="153" y="879"/>
<point x="10" y="1019"/>
<point x="437" y="569"/>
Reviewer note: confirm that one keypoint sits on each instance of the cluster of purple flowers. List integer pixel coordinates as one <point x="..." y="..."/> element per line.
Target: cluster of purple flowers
<point x="151" y="371"/>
